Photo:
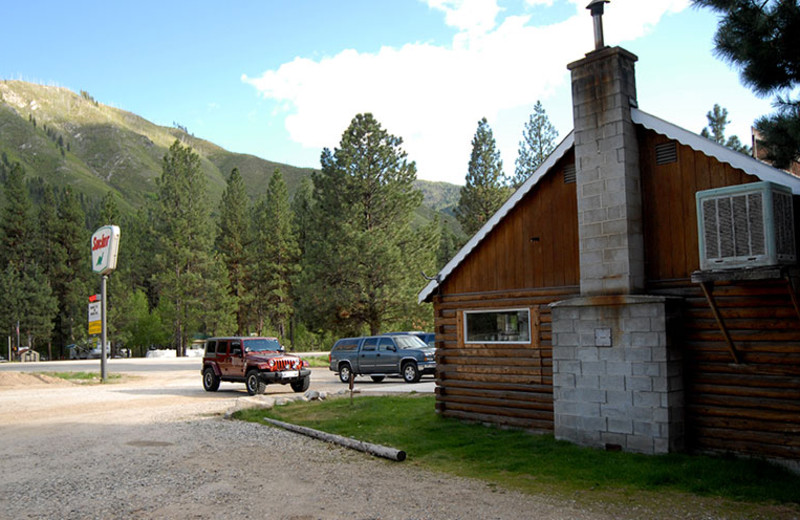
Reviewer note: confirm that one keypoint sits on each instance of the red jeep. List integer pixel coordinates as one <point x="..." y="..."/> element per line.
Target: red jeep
<point x="254" y="361"/>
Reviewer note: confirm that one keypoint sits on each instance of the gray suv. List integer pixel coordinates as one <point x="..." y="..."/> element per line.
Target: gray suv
<point x="380" y="356"/>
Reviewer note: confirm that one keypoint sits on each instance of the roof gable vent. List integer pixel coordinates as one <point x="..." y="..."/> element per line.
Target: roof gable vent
<point x="666" y="153"/>
<point x="748" y="225"/>
<point x="569" y="174"/>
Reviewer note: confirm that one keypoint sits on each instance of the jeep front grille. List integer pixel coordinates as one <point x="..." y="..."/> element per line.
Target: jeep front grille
<point x="284" y="364"/>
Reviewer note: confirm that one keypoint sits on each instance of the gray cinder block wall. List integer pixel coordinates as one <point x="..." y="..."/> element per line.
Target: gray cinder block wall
<point x="617" y="380"/>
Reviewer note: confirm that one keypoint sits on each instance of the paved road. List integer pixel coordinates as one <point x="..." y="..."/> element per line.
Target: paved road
<point x="186" y="372"/>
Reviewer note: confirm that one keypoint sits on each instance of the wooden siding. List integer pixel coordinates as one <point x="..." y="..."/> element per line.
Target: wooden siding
<point x="752" y="407"/>
<point x="509" y="384"/>
<point x="535" y="245"/>
<point x="669" y="208"/>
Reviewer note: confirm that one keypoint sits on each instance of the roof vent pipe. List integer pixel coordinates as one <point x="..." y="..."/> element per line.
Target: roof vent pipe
<point x="596" y="8"/>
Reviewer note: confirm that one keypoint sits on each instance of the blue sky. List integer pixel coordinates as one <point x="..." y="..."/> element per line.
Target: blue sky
<point x="281" y="79"/>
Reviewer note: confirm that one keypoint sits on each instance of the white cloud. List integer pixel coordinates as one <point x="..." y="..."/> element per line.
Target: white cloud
<point x="433" y="96"/>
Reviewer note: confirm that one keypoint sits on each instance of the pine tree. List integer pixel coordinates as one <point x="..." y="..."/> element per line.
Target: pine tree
<point x="485" y="189"/>
<point x="232" y="233"/>
<point x="71" y="270"/>
<point x="191" y="279"/>
<point x="538" y="140"/>
<point x="16" y="230"/>
<point x="26" y="300"/>
<point x="277" y="255"/>
<point x="362" y="264"/>
<point x="717" y="122"/>
<point x="762" y="38"/>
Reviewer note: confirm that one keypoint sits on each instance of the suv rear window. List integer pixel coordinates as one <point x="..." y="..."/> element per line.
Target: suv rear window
<point x="346" y="344"/>
<point x="211" y="347"/>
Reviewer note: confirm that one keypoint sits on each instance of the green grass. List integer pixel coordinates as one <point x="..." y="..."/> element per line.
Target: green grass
<point x="317" y="361"/>
<point x="84" y="377"/>
<point x="534" y="463"/>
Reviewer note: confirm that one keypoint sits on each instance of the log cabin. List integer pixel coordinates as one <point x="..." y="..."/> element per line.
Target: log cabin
<point x="600" y="304"/>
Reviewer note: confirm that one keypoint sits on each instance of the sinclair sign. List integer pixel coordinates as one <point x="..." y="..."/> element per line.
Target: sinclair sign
<point x="105" y="246"/>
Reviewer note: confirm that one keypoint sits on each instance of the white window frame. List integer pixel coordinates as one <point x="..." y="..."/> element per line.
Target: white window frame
<point x="466" y="315"/>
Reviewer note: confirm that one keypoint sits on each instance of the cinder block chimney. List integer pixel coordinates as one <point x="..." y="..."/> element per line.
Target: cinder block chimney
<point x="617" y="380"/>
<point x="607" y="164"/>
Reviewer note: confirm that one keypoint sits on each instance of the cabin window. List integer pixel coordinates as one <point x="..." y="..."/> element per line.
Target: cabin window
<point x="498" y="326"/>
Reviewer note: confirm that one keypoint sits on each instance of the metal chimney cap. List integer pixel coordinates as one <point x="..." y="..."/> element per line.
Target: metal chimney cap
<point x="596" y="6"/>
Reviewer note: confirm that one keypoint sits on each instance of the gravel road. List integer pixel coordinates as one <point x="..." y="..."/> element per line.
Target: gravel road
<point x="160" y="447"/>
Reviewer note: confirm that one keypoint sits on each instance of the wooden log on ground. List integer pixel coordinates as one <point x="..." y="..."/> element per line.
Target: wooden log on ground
<point x="353" y="444"/>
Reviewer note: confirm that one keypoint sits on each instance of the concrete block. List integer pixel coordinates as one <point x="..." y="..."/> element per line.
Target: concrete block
<point x="647" y="339"/>
<point x="590" y="395"/>
<point x="614" y="368"/>
<point x="589" y="354"/>
<point x="645" y="429"/>
<point x="647" y="399"/>
<point x="563" y="325"/>
<point x="616" y="439"/>
<point x="593" y="425"/>
<point x="612" y="383"/>
<point x="563" y="380"/>
<point x="589" y="382"/>
<point x="619" y="399"/>
<point x="640" y="444"/>
<point x="587" y="410"/>
<point x="569" y="367"/>
<point x="620" y="426"/>
<point x="638" y="383"/>
<point x="647" y="369"/>
<point x="593" y="368"/>
<point x="611" y="354"/>
<point x="564" y="345"/>
<point x="638" y="353"/>
<point x="637" y="325"/>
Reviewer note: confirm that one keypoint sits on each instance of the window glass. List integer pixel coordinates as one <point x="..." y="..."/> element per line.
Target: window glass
<point x="369" y="344"/>
<point x="409" y="342"/>
<point x="211" y="347"/>
<point x="236" y="345"/>
<point x="504" y="326"/>
<point x="262" y="345"/>
<point x="386" y="344"/>
<point x="222" y="346"/>
<point x="346" y="344"/>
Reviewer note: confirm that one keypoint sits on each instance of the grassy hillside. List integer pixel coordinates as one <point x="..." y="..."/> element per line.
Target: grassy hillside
<point x="71" y="139"/>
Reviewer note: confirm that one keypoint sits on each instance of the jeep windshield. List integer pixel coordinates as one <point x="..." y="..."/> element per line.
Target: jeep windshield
<point x="262" y="345"/>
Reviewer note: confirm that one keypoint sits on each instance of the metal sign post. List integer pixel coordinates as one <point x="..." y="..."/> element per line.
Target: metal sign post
<point x="103" y="345"/>
<point x="105" y="246"/>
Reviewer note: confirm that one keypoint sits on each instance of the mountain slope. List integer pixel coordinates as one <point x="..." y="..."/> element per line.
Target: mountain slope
<point x="71" y="139"/>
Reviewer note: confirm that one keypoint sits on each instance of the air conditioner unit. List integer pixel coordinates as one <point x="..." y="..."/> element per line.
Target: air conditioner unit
<point x="747" y="225"/>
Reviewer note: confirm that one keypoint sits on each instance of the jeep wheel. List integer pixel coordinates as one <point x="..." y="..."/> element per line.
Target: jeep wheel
<point x="377" y="379"/>
<point x="344" y="373"/>
<point x="302" y="385"/>
<point x="210" y="380"/>
<point x="410" y="372"/>
<point x="254" y="383"/>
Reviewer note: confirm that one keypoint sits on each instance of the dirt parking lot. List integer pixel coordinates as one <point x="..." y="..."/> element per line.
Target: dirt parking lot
<point x="159" y="447"/>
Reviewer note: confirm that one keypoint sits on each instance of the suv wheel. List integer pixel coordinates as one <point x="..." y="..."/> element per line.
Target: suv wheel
<point x="210" y="380"/>
<point x="302" y="385"/>
<point x="254" y="383"/>
<point x="344" y="373"/>
<point x="410" y="372"/>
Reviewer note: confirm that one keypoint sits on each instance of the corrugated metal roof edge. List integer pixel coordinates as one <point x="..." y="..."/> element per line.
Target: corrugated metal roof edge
<point x="701" y="144"/>
<point x="512" y="201"/>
